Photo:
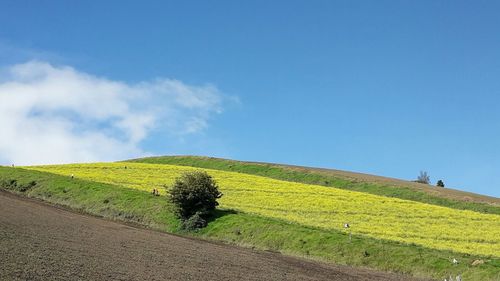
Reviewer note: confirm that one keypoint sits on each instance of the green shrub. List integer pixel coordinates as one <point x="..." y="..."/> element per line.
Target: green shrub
<point x="440" y="183"/>
<point x="17" y="186"/>
<point x="194" y="195"/>
<point x="194" y="222"/>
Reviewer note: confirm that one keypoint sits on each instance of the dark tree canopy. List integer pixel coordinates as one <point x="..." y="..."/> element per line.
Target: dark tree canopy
<point x="194" y="193"/>
<point x="440" y="183"/>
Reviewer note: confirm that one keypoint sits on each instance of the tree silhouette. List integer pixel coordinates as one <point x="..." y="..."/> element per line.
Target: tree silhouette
<point x="423" y="178"/>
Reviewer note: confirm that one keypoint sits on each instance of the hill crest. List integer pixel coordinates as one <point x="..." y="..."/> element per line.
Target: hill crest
<point x="329" y="177"/>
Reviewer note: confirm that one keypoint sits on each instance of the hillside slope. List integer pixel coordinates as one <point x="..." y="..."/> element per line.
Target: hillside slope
<point x="317" y="206"/>
<point x="40" y="236"/>
<point x="342" y="179"/>
<point x="133" y="205"/>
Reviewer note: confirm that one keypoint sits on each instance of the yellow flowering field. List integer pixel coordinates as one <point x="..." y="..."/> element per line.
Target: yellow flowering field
<point x="318" y="206"/>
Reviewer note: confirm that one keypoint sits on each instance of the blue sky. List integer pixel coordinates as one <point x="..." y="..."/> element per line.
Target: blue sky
<point x="381" y="87"/>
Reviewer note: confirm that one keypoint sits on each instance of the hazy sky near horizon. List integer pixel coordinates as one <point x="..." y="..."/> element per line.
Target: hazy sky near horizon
<point x="381" y="87"/>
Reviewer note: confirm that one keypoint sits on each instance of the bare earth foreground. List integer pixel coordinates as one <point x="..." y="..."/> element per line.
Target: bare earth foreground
<point x="41" y="242"/>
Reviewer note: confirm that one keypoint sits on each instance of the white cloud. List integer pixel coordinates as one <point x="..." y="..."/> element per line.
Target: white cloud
<point x="56" y="114"/>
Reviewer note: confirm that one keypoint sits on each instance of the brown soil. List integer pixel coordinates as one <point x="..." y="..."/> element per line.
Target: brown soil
<point x="41" y="242"/>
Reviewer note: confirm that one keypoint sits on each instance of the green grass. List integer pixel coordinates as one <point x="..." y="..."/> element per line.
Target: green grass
<point x="125" y="204"/>
<point x="333" y="246"/>
<point x="283" y="173"/>
<point x="104" y="200"/>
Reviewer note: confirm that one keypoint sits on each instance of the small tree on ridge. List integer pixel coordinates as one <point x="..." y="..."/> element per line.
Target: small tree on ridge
<point x="423" y="178"/>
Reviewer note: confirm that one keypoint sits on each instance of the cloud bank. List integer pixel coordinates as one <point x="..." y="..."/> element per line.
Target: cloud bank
<point x="57" y="114"/>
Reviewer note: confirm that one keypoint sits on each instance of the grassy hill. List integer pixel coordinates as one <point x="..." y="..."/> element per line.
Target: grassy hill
<point x="296" y="218"/>
<point x="317" y="206"/>
<point x="342" y="179"/>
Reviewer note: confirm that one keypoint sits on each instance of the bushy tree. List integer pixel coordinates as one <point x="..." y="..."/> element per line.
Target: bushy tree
<point x="423" y="178"/>
<point x="194" y="195"/>
<point x="440" y="183"/>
